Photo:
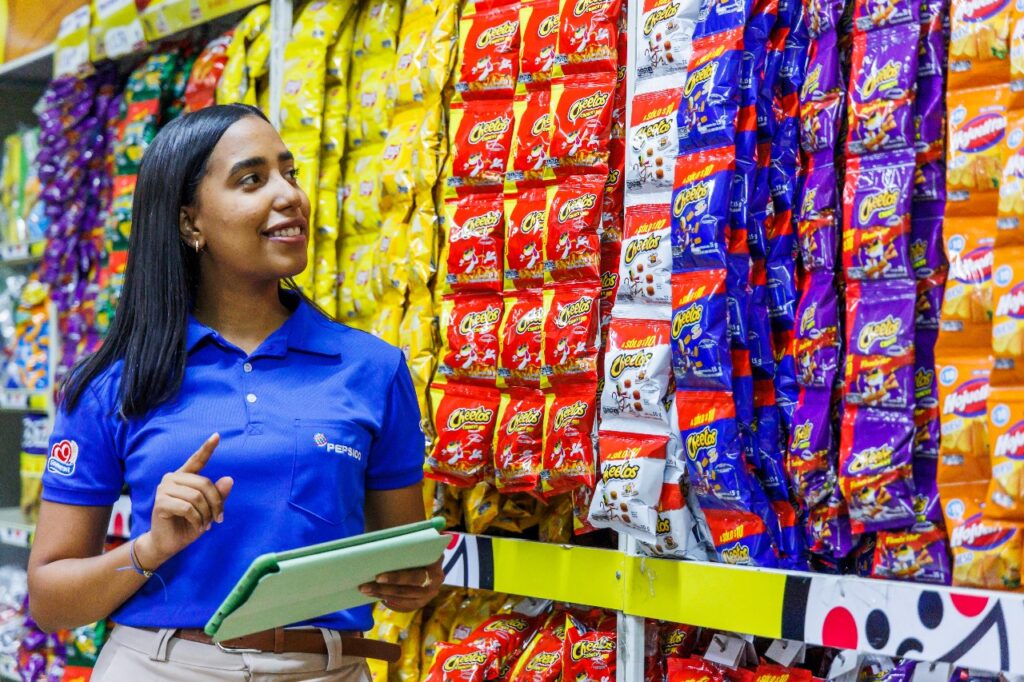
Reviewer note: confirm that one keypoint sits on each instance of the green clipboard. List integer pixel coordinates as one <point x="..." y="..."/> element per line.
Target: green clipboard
<point x="288" y="587"/>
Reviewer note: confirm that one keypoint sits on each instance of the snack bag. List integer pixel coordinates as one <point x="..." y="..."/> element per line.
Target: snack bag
<point x="539" y="21"/>
<point x="519" y="442"/>
<point x="828" y="527"/>
<point x="963" y="400"/>
<point x="470" y="323"/>
<point x="636" y="376"/>
<point x="968" y="296"/>
<point x="572" y="247"/>
<point x="1006" y="429"/>
<point x="569" y="439"/>
<point x="588" y="36"/>
<point x="463" y="662"/>
<point x="693" y="669"/>
<point x="878" y="191"/>
<point x="880" y="381"/>
<point x="489" y="52"/>
<point x="480" y="507"/>
<point x="1008" y="297"/>
<point x="588" y="654"/>
<point x="674" y="532"/>
<point x="880" y="318"/>
<point x="740" y="538"/>
<point x="700" y="351"/>
<point x="654" y="140"/>
<point x="35" y="447"/>
<point x="665" y="42"/>
<point x="979" y="43"/>
<point x="529" y="155"/>
<point x="438" y="625"/>
<point x="526" y="219"/>
<point x="977" y="126"/>
<point x="201" y="91"/>
<point x="570" y="343"/>
<point x="919" y="554"/>
<point x="816" y="340"/>
<point x="875" y="471"/>
<point x="475" y="247"/>
<point x="1011" y="186"/>
<point x="645" y="268"/>
<point x="810" y="460"/>
<point x="986" y="552"/>
<point x="883" y="73"/>
<point x="581" y="107"/>
<point x="464" y="419"/>
<point x="627" y="494"/>
<point x="700" y="203"/>
<point x="519" y="360"/>
<point x="481" y="137"/>
<point x="541" y="661"/>
<point x="709" y="108"/>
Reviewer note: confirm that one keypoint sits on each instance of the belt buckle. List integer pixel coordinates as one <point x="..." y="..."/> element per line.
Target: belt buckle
<point x="237" y="650"/>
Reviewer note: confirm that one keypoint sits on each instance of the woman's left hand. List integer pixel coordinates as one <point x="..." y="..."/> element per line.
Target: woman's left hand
<point x="406" y="590"/>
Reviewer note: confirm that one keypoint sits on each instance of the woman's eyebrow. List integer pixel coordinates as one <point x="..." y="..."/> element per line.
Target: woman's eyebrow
<point x="285" y="156"/>
<point x="254" y="162"/>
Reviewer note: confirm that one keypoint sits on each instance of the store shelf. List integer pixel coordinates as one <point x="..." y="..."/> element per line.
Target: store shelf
<point x="34" y="67"/>
<point x="24" y="253"/>
<point x="13" y="400"/>
<point x="951" y="625"/>
<point x="164" y="19"/>
<point x="17" y="531"/>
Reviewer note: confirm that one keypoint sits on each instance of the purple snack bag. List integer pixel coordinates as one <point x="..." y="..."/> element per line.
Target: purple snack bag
<point x="880" y="381"/>
<point x="828" y="527"/>
<point x="929" y="115"/>
<point x="819" y="123"/>
<point x="816" y="345"/>
<point x="926" y="397"/>
<point x="822" y="16"/>
<point x="823" y="78"/>
<point x="930" y="182"/>
<point x="926" y="496"/>
<point x="877" y="192"/>
<point x="737" y="293"/>
<point x="880" y="126"/>
<point x="883" y="64"/>
<point x="931" y="56"/>
<point x="819" y="238"/>
<point x="919" y="554"/>
<point x="819" y="191"/>
<point x="879" y="254"/>
<point x="926" y="252"/>
<point x="810" y="458"/>
<point x="928" y="307"/>
<point x="880" y="318"/>
<point x="870" y="15"/>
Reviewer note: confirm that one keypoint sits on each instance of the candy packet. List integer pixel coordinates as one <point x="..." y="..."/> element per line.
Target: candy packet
<point x="539" y="41"/>
<point x="968" y="295"/>
<point x="700" y="203"/>
<point x="977" y="125"/>
<point x="529" y="155"/>
<point x="813" y="448"/>
<point x="666" y="34"/>
<point x="1008" y="313"/>
<point x="588" y="36"/>
<point x="709" y="108"/>
<point x="526" y="215"/>
<point x="880" y="318"/>
<point x="481" y="137"/>
<point x="979" y="43"/>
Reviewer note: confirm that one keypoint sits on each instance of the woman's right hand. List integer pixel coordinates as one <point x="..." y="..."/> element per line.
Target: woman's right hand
<point x="186" y="506"/>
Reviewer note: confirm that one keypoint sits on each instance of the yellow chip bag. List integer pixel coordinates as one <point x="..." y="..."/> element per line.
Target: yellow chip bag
<point x="986" y="552"/>
<point x="441" y="52"/>
<point x="399" y="154"/>
<point x="480" y="506"/>
<point x="368" y="115"/>
<point x="556" y="522"/>
<point x="428" y="156"/>
<point x="378" y="27"/>
<point x="335" y="114"/>
<point x="438" y="624"/>
<point x="963" y="398"/>
<point x="1011" y="187"/>
<point x="355" y="264"/>
<point x="1006" y="426"/>
<point x="969" y="245"/>
<point x="389" y="318"/>
<point x="979" y="43"/>
<point x="1008" y="300"/>
<point x="422" y="242"/>
<point x="977" y="126"/>
<point x="361" y="206"/>
<point x="340" y="53"/>
<point x="407" y="669"/>
<point x="406" y="87"/>
<point x="306" y="149"/>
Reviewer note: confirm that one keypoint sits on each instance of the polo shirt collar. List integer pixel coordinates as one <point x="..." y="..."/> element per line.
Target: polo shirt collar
<point x="304" y="331"/>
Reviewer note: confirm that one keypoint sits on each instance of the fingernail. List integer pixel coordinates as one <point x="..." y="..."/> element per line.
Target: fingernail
<point x="209" y="526"/>
<point x="383" y="579"/>
<point x="366" y="590"/>
<point x="220" y="517"/>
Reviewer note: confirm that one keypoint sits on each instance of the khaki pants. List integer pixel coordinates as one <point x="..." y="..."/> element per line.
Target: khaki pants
<point x="134" y="655"/>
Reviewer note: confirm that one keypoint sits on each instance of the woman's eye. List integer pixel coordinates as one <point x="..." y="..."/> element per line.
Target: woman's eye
<point x="293" y="174"/>
<point x="251" y="180"/>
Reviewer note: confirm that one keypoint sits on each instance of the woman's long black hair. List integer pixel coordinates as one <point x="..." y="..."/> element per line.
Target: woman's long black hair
<point x="162" y="274"/>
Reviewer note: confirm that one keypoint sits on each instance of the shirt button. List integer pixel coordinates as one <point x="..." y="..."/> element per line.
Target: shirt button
<point x="247" y="367"/>
<point x="251" y="397"/>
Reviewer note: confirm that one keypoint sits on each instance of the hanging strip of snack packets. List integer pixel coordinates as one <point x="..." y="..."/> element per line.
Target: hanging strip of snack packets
<point x="986" y="553"/>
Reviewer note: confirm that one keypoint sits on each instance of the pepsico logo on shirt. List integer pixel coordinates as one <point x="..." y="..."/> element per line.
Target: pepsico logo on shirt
<point x="62" y="459"/>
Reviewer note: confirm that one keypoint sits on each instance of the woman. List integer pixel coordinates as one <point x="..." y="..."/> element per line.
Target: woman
<point x="242" y="420"/>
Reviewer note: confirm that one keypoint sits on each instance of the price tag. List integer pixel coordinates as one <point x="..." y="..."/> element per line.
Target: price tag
<point x="14" y="251"/>
<point x="118" y="30"/>
<point x="727" y="651"/>
<point x="786" y="652"/>
<point x="12" y="400"/>
<point x="845" y="667"/>
<point x="18" y="537"/>
<point x="71" y="54"/>
<point x="932" y="672"/>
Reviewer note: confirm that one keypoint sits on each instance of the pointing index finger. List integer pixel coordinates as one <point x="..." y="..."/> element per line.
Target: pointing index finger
<point x="199" y="458"/>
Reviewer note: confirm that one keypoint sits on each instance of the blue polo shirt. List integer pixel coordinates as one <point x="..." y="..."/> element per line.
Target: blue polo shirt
<point x="316" y="416"/>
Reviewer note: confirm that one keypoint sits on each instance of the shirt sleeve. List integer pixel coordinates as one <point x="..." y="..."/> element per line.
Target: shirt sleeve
<point x="396" y="456"/>
<point x="83" y="467"/>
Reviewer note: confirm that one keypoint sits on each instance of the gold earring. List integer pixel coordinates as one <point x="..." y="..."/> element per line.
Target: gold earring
<point x="197" y="246"/>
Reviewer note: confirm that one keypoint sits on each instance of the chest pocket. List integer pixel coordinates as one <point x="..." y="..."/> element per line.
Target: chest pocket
<point x="328" y="468"/>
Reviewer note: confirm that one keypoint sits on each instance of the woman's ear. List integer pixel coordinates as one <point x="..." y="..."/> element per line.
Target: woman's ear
<point x="187" y="229"/>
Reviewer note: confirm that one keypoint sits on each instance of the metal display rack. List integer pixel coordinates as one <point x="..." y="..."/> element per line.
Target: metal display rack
<point x="973" y="628"/>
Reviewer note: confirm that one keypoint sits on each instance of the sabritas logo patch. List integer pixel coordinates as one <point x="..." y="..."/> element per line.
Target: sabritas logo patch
<point x="980" y="133"/>
<point x="980" y="535"/>
<point x="1011" y="443"/>
<point x="968" y="400"/>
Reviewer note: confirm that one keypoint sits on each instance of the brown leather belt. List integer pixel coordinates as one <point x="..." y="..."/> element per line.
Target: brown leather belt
<point x="305" y="641"/>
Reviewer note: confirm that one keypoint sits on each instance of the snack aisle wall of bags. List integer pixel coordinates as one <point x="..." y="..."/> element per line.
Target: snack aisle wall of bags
<point x="682" y="276"/>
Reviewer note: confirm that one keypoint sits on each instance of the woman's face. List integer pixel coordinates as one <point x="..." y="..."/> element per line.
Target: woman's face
<point x="251" y="215"/>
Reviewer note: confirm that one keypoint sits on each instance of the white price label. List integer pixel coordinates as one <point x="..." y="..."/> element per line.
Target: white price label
<point x="123" y="40"/>
<point x="12" y="400"/>
<point x="74" y="22"/>
<point x="14" y="251"/>
<point x="108" y="8"/>
<point x="69" y="60"/>
<point x="17" y="537"/>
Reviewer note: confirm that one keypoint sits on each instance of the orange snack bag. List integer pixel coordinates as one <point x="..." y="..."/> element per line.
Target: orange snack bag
<point x="969" y="247"/>
<point x="1008" y="305"/>
<point x="1011" y="186"/>
<point x="986" y="552"/>
<point x="977" y="127"/>
<point x="963" y="396"/>
<point x="1006" y="429"/>
<point x="979" y="45"/>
